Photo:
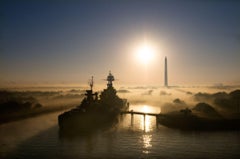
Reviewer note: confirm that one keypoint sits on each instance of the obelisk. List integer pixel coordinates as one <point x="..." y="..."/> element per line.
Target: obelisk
<point x="165" y="73"/>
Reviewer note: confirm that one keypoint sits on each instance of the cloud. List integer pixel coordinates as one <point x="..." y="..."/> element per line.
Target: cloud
<point x="123" y="91"/>
<point x="162" y="93"/>
<point x="149" y="92"/>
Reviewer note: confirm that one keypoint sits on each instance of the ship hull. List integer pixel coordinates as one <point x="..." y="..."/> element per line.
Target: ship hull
<point x="84" y="123"/>
<point x="76" y="121"/>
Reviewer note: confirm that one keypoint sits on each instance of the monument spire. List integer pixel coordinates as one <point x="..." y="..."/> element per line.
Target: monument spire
<point x="165" y="73"/>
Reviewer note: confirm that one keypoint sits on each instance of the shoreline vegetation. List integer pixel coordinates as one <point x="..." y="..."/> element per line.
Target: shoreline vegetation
<point x="222" y="114"/>
<point x="194" y="122"/>
<point x="18" y="105"/>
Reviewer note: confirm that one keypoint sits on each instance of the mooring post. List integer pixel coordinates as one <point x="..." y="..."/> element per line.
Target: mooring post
<point x="144" y="122"/>
<point x="156" y="122"/>
<point x="132" y="119"/>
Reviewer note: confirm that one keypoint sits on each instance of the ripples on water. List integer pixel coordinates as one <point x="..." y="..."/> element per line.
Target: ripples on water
<point x="38" y="138"/>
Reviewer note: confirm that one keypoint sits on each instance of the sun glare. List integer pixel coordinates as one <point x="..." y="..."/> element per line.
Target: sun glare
<point x="145" y="53"/>
<point x="146" y="109"/>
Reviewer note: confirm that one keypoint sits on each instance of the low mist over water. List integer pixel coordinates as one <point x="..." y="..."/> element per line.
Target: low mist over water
<point x="38" y="137"/>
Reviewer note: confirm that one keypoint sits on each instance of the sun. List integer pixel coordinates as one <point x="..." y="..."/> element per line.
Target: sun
<point x="146" y="109"/>
<point x="145" y="53"/>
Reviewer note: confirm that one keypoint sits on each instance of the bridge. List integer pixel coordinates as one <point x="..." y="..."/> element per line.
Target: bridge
<point x="139" y="113"/>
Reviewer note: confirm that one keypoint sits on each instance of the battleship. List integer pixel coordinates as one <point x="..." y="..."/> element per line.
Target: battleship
<point x="95" y="111"/>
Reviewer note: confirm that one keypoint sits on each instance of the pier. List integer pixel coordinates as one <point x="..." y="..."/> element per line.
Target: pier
<point x="139" y="113"/>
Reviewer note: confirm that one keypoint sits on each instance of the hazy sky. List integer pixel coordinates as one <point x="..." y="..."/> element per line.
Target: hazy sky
<point x="52" y="41"/>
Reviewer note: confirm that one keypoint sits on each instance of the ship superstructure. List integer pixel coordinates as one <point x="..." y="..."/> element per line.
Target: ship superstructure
<point x="95" y="110"/>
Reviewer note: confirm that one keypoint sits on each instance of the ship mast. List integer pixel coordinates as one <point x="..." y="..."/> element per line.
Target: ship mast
<point x="110" y="79"/>
<point x="91" y="83"/>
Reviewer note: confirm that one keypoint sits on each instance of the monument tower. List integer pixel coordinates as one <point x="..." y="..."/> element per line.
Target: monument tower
<point x="165" y="73"/>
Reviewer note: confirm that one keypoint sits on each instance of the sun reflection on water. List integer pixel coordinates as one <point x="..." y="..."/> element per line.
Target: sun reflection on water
<point x="146" y="124"/>
<point x="146" y="143"/>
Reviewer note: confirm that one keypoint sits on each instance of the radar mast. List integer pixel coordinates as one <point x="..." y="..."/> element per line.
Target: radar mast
<point x="91" y="83"/>
<point x="110" y="79"/>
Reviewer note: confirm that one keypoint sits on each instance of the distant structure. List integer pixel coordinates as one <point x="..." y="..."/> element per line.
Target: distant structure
<point x="110" y="79"/>
<point x="91" y="83"/>
<point x="165" y="73"/>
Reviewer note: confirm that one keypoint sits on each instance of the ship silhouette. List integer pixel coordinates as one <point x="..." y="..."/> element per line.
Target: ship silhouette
<point x="95" y="111"/>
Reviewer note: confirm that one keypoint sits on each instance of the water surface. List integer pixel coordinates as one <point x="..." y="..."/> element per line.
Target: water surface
<point x="38" y="138"/>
